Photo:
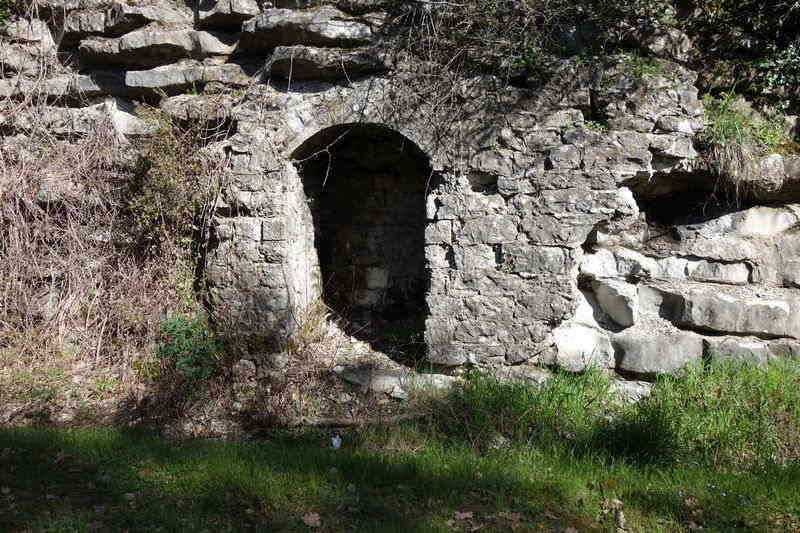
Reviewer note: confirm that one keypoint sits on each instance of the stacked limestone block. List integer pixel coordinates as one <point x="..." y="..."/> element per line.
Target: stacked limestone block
<point x="538" y="242"/>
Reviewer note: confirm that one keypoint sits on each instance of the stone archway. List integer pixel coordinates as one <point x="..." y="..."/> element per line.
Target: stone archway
<point x="365" y="187"/>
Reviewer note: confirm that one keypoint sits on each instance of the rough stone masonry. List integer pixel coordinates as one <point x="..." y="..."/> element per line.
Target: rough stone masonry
<point x="548" y="224"/>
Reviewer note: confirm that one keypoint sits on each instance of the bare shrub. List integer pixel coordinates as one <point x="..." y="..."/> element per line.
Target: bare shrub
<point x="92" y="260"/>
<point x="511" y="36"/>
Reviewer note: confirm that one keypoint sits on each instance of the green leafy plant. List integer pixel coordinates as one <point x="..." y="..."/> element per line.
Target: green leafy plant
<point x="779" y="70"/>
<point x="596" y="126"/>
<point x="189" y="346"/>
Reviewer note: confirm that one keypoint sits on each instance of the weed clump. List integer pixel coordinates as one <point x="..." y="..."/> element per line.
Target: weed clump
<point x="174" y="180"/>
<point x="190" y="349"/>
<point x="736" y="138"/>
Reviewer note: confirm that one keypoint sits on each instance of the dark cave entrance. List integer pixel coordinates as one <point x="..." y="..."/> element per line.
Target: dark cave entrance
<point x="366" y="186"/>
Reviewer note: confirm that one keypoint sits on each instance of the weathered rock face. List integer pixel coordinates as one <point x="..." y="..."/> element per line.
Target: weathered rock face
<point x="510" y="227"/>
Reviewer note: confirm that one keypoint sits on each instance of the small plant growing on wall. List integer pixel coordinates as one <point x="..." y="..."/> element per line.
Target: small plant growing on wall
<point x="190" y="348"/>
<point x="735" y="139"/>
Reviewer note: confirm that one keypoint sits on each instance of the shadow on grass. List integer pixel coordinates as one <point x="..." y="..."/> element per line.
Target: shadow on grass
<point x="116" y="480"/>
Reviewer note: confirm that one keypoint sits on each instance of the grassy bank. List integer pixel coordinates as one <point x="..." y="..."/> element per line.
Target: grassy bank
<point x="491" y="457"/>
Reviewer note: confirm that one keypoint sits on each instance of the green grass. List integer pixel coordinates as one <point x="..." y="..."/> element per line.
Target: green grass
<point x="561" y="464"/>
<point x="736" y="137"/>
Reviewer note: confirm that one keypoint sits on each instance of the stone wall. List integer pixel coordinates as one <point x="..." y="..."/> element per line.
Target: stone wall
<point x="532" y="215"/>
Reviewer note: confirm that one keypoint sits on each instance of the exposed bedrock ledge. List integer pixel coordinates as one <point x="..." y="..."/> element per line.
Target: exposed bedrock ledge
<point x="778" y="180"/>
<point x="147" y="47"/>
<point x="145" y="84"/>
<point x="118" y="19"/>
<point x="649" y="349"/>
<point x="627" y="263"/>
<point x="312" y="63"/>
<point x="226" y="14"/>
<point x="750" y="349"/>
<point x="323" y="26"/>
<point x="762" y="315"/>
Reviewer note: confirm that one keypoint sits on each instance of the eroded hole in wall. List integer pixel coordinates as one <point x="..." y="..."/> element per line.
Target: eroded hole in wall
<point x="482" y="182"/>
<point x="366" y="187"/>
<point x="684" y="208"/>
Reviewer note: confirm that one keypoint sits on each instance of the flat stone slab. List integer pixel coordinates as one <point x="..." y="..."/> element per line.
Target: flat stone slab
<point x="651" y="349"/>
<point x="744" y="314"/>
<point x="397" y="383"/>
<point x="313" y="63"/>
<point x="323" y="26"/>
<point x="147" y="47"/>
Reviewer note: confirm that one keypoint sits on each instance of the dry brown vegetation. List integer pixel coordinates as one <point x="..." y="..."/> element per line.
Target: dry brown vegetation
<point x="95" y="252"/>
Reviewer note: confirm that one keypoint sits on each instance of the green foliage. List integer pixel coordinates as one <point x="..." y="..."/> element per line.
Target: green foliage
<point x="189" y="346"/>
<point x="748" y="43"/>
<point x="779" y="69"/>
<point x="775" y="21"/>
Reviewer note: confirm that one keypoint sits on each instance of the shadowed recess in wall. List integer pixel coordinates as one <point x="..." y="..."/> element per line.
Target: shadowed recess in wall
<point x="366" y="185"/>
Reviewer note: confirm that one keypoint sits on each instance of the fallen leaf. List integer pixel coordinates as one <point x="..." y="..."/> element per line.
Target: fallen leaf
<point x="463" y="516"/>
<point x="570" y="530"/>
<point x="609" y="484"/>
<point x="312" y="519"/>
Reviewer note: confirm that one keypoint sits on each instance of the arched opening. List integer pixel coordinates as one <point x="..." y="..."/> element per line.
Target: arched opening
<point x="365" y="185"/>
